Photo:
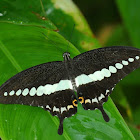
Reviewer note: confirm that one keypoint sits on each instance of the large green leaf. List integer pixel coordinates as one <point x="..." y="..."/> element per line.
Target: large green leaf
<point x="26" y="13"/>
<point x="63" y="14"/>
<point x="23" y="46"/>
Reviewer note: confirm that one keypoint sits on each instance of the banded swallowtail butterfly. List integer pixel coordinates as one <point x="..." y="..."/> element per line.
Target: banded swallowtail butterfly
<point x="51" y="86"/>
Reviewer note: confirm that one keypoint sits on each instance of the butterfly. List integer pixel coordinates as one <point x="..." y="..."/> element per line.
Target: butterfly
<point x="52" y="86"/>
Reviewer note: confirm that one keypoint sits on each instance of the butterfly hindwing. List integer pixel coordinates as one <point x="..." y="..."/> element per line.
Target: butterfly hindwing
<point x="92" y="96"/>
<point x="100" y="70"/>
<point x="62" y="104"/>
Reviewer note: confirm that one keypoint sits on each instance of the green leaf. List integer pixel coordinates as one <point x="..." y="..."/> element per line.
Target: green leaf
<point x="25" y="13"/>
<point x="130" y="10"/>
<point x="135" y="131"/>
<point x="135" y="124"/>
<point x="69" y="14"/>
<point x="39" y="12"/>
<point x="23" y="46"/>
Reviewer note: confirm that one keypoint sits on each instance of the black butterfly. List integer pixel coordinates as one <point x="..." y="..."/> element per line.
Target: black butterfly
<point x="51" y="86"/>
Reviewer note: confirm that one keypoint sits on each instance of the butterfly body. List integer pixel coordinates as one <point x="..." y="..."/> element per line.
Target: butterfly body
<point x="68" y="62"/>
<point x="52" y="85"/>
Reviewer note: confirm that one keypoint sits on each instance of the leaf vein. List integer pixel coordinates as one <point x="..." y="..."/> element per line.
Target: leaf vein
<point x="10" y="57"/>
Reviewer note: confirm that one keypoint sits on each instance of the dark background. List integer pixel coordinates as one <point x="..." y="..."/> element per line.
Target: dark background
<point x="99" y="13"/>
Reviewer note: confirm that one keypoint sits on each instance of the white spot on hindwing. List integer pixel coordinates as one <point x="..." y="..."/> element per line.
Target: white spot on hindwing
<point x="94" y="100"/>
<point x="107" y="91"/>
<point x="48" y="107"/>
<point x="87" y="101"/>
<point x="101" y="97"/>
<point x="55" y="109"/>
<point x="69" y="107"/>
<point x="63" y="109"/>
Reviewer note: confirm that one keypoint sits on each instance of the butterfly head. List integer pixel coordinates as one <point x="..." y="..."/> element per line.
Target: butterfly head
<point x="66" y="56"/>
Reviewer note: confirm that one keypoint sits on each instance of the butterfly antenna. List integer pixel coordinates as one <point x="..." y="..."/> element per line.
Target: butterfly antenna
<point x="70" y="36"/>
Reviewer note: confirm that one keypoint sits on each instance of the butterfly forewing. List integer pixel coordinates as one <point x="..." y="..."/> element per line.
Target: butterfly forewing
<point x="47" y="86"/>
<point x="100" y="70"/>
